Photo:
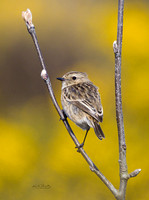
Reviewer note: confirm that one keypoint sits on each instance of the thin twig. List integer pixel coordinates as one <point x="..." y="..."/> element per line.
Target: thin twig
<point x="27" y="16"/>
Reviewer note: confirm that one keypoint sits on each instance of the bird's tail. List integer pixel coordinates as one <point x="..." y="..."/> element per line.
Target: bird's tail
<point x="98" y="131"/>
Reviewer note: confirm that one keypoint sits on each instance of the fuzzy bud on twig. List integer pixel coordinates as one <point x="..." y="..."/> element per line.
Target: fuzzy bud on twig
<point x="27" y="16"/>
<point x="44" y="74"/>
<point x="115" y="49"/>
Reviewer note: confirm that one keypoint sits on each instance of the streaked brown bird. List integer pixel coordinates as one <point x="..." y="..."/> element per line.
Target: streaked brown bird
<point x="81" y="102"/>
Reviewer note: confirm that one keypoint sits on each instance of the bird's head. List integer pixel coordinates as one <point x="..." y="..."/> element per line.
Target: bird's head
<point x="72" y="78"/>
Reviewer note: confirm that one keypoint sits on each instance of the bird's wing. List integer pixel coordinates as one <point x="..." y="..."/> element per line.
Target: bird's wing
<point x="86" y="97"/>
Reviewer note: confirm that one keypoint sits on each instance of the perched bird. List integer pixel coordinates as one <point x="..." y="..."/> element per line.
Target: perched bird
<point x="81" y="102"/>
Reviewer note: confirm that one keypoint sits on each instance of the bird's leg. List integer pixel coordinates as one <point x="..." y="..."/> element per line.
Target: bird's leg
<point x="82" y="144"/>
<point x="84" y="138"/>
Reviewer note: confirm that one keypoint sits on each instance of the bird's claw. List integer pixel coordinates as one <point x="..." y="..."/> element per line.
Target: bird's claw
<point x="63" y="118"/>
<point x="79" y="147"/>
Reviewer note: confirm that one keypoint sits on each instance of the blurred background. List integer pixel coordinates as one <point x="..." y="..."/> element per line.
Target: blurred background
<point x="35" y="149"/>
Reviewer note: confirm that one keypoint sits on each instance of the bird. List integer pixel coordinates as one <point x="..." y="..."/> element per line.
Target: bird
<point x="81" y="102"/>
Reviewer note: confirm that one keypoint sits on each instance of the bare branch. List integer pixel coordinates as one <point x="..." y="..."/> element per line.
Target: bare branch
<point x="117" y="47"/>
<point x="27" y="16"/>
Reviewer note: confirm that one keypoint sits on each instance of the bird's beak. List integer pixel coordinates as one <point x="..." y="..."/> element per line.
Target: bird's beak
<point x="61" y="79"/>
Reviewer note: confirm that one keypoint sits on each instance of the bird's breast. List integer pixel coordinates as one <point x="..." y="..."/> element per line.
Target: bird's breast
<point x="76" y="115"/>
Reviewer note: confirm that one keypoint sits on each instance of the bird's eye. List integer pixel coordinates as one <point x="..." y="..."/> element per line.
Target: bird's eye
<point x="74" y="77"/>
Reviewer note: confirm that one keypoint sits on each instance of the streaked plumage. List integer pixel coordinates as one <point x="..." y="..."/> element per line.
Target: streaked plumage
<point x="81" y="101"/>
